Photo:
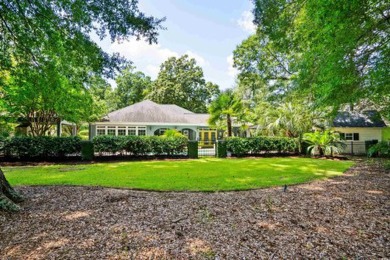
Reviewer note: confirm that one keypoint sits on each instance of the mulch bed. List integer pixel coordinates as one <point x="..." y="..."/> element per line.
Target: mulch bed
<point x="345" y="217"/>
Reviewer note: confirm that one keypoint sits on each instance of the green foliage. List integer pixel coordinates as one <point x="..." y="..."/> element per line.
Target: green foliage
<point x="262" y="144"/>
<point x="221" y="149"/>
<point x="324" y="143"/>
<point x="172" y="133"/>
<point x="328" y="48"/>
<point x="193" y="149"/>
<point x="381" y="148"/>
<point x="132" y="87"/>
<point x="42" y="146"/>
<point x="386" y="134"/>
<point x="87" y="152"/>
<point x="181" y="82"/>
<point x="223" y="108"/>
<point x="48" y="59"/>
<point x="140" y="145"/>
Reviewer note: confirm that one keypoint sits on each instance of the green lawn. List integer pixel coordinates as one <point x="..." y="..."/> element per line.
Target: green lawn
<point x="182" y="175"/>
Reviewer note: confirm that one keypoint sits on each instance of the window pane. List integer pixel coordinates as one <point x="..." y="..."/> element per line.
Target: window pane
<point x="348" y="136"/>
<point x="356" y="136"/>
<point x="121" y="130"/>
<point x="111" y="131"/>
<point x="141" y="130"/>
<point x="101" y="132"/>
<point x="132" y="131"/>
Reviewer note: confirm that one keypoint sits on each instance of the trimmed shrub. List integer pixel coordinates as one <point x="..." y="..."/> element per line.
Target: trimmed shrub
<point x="140" y="145"/>
<point x="108" y="144"/>
<point x="221" y="149"/>
<point x="41" y="146"/>
<point x="136" y="145"/>
<point x="263" y="144"/>
<point x="193" y="150"/>
<point x="87" y="152"/>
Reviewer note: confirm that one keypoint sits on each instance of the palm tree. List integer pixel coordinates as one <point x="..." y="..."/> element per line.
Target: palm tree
<point x="326" y="142"/>
<point x="226" y="106"/>
<point x="291" y="120"/>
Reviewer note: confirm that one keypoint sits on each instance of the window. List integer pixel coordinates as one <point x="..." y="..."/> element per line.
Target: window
<point x="111" y="130"/>
<point x="132" y="131"/>
<point x="101" y="131"/>
<point x="141" y="130"/>
<point x="350" y="136"/>
<point x="121" y="130"/>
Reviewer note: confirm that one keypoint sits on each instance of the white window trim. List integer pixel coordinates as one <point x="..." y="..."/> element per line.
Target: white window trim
<point x="126" y="128"/>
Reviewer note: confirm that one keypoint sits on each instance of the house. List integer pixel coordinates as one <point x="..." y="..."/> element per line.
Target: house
<point x="148" y="118"/>
<point x="357" y="128"/>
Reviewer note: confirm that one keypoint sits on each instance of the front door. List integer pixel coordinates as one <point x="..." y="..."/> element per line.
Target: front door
<point x="207" y="137"/>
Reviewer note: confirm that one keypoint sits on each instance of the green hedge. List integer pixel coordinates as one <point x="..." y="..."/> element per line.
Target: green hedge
<point x="262" y="144"/>
<point x="87" y="152"/>
<point x="41" y="146"/>
<point x="140" y="145"/>
<point x="221" y="149"/>
<point x="193" y="150"/>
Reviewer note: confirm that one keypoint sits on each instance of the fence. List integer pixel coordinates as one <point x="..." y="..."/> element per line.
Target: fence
<point x="355" y="148"/>
<point x="206" y="149"/>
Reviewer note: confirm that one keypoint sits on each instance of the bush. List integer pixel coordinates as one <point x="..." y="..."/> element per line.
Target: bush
<point x="381" y="148"/>
<point x="108" y="144"/>
<point x="221" y="149"/>
<point x="140" y="145"/>
<point x="262" y="144"/>
<point x="193" y="150"/>
<point x="41" y="146"/>
<point x="87" y="152"/>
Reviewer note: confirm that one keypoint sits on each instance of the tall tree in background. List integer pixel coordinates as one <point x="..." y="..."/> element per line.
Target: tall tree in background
<point x="132" y="87"/>
<point x="52" y="38"/>
<point x="226" y="106"/>
<point x="181" y="82"/>
<point x="338" y="47"/>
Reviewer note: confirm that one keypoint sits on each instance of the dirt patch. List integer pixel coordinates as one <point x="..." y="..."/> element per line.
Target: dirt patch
<point x="345" y="217"/>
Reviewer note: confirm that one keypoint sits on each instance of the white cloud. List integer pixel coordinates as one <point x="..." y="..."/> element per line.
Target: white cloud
<point x="245" y="22"/>
<point x="199" y="59"/>
<point x="148" y="58"/>
<point x="145" y="57"/>
<point x="231" y="70"/>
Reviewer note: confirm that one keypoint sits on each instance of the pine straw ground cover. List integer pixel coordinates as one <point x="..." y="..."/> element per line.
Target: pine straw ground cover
<point x="343" y="217"/>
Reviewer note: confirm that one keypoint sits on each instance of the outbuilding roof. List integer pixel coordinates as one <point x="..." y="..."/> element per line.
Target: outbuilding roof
<point x="368" y="118"/>
<point x="150" y="112"/>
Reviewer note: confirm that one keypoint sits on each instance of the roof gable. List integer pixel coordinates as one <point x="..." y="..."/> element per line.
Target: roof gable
<point x="369" y="118"/>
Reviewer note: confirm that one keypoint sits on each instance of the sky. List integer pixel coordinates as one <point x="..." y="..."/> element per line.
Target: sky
<point x="207" y="30"/>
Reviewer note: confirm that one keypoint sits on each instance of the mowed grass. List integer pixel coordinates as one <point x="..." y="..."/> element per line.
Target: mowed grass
<point x="182" y="175"/>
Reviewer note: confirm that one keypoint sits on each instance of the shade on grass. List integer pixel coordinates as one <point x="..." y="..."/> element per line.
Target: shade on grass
<point x="182" y="175"/>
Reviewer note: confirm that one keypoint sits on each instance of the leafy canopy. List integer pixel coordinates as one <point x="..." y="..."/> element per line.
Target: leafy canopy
<point x="330" y="47"/>
<point x="181" y="82"/>
<point x="132" y="87"/>
<point x="47" y="57"/>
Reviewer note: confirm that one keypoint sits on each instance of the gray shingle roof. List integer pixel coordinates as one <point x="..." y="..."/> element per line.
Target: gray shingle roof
<point x="149" y="112"/>
<point x="369" y="118"/>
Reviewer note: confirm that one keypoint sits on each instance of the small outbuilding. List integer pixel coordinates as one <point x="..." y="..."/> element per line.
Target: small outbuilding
<point x="358" y="127"/>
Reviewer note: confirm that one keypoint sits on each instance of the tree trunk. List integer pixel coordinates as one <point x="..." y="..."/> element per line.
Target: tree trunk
<point x="229" y="125"/>
<point x="8" y="196"/>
